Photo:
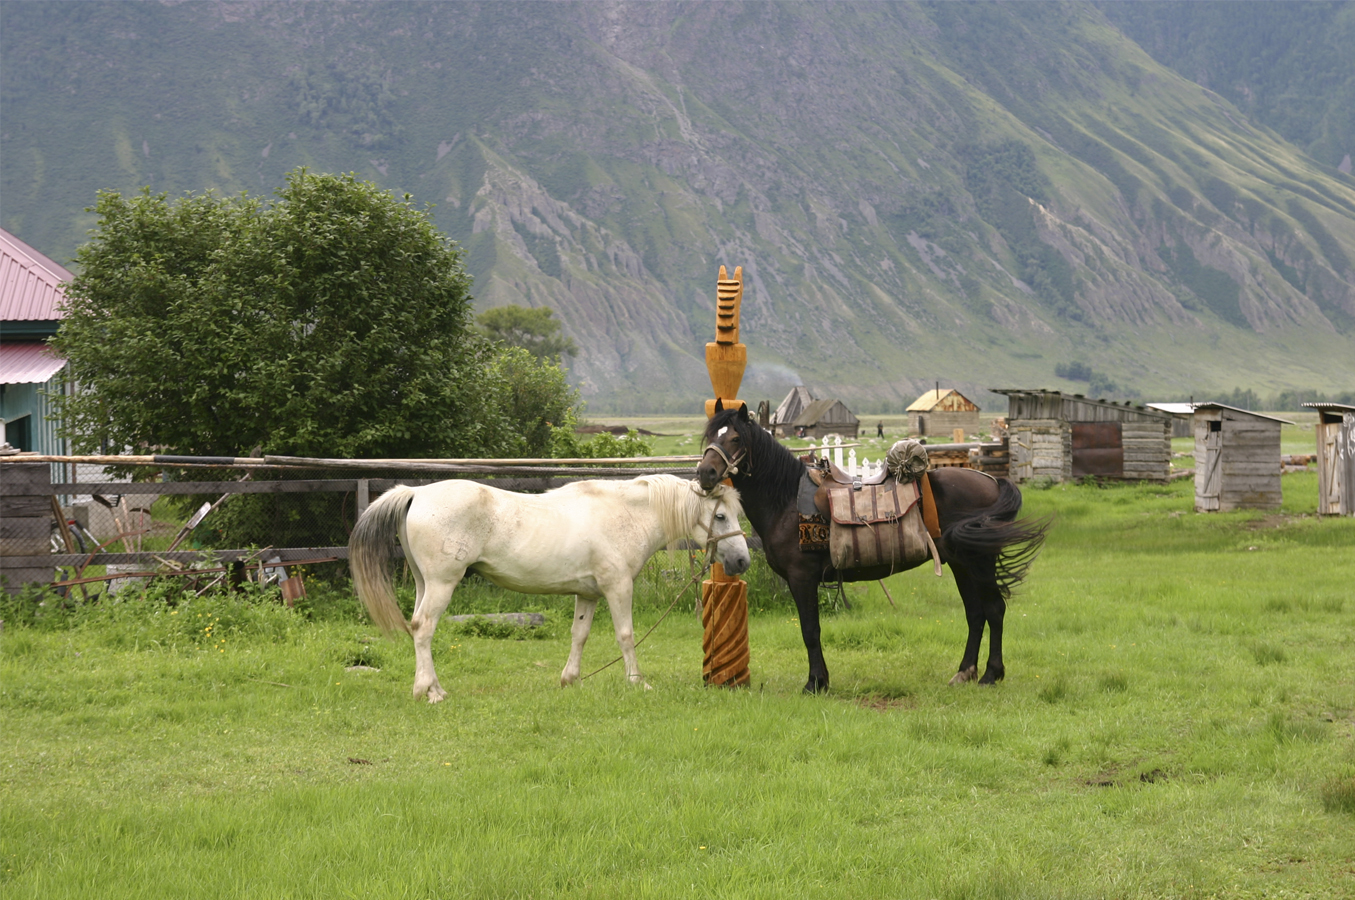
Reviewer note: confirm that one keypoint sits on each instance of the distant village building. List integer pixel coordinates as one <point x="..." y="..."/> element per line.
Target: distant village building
<point x="940" y="412"/>
<point x="823" y="417"/>
<point x="30" y="298"/>
<point x="784" y="418"/>
<point x="1066" y="436"/>
<point x="1237" y="458"/>
<point x="1335" y="458"/>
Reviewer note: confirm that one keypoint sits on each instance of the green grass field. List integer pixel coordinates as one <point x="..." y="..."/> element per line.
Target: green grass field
<point x="1178" y="720"/>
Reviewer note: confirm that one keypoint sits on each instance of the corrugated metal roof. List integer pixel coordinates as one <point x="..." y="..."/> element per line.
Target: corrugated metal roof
<point x="1176" y="409"/>
<point x="28" y="362"/>
<point x="1238" y="409"/>
<point x="30" y="283"/>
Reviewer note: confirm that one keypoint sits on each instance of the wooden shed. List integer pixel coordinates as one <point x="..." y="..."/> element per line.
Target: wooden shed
<point x="1066" y="436"/>
<point x="789" y="410"/>
<point x="826" y="417"/>
<point x="1335" y="458"/>
<point x="1237" y="458"/>
<point x="940" y="412"/>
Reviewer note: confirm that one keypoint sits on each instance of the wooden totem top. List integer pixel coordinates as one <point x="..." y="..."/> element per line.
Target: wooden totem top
<point x="725" y="356"/>
<point x="728" y="297"/>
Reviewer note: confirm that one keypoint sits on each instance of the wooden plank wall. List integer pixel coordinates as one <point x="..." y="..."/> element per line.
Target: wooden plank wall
<point x="1250" y="462"/>
<point x="942" y="423"/>
<point x="25" y="519"/>
<point x="1347" y="447"/>
<point x="1041" y="448"/>
<point x="1147" y="450"/>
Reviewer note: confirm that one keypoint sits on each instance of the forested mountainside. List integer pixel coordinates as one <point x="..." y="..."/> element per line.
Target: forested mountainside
<point x="1289" y="66"/>
<point x="968" y="192"/>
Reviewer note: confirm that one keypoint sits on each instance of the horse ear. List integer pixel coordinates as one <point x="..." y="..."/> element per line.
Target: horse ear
<point x="719" y="405"/>
<point x="743" y="413"/>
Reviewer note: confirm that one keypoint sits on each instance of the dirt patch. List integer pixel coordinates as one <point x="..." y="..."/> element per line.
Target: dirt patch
<point x="1113" y="779"/>
<point x="880" y="703"/>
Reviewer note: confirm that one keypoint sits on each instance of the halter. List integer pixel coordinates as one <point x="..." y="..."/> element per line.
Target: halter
<point x="713" y="539"/>
<point x="731" y="465"/>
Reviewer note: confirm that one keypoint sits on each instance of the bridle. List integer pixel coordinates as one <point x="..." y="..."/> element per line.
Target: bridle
<point x="713" y="539"/>
<point x="731" y="465"/>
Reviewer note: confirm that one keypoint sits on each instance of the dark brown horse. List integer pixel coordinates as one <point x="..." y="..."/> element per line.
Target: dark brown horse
<point x="988" y="551"/>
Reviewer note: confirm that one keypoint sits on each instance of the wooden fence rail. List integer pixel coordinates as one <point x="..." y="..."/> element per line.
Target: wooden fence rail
<point x="28" y="501"/>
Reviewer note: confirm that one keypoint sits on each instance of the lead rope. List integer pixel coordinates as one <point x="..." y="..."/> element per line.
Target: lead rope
<point x="711" y="543"/>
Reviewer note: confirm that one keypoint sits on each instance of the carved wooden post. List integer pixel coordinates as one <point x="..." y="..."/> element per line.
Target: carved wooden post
<point x="724" y="598"/>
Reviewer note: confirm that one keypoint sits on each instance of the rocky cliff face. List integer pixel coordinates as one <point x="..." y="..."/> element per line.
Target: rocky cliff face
<point x="969" y="192"/>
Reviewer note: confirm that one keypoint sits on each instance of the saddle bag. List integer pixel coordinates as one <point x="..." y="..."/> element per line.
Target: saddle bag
<point x="877" y="525"/>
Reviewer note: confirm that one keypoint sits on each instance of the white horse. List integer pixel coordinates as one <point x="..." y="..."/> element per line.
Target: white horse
<point x="589" y="538"/>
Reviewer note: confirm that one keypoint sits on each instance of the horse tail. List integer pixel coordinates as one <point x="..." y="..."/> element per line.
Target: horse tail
<point x="370" y="553"/>
<point x="995" y="534"/>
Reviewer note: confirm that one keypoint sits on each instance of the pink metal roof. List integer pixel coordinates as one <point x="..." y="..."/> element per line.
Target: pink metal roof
<point x="30" y="283"/>
<point x="27" y="362"/>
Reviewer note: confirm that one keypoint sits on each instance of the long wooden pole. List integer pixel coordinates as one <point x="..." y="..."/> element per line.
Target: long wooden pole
<point x="724" y="598"/>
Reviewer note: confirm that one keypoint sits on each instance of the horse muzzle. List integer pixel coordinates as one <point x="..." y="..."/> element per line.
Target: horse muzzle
<point x="737" y="562"/>
<point x="710" y="471"/>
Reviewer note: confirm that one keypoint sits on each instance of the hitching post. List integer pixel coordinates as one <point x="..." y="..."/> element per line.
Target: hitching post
<point x="724" y="598"/>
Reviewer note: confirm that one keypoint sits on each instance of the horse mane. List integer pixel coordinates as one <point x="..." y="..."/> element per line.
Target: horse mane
<point x="778" y="471"/>
<point x="679" y="505"/>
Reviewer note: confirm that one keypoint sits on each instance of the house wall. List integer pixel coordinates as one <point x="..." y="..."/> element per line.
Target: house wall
<point x="34" y="401"/>
<point x="1147" y="450"/>
<point x="937" y="422"/>
<point x="1041" y="448"/>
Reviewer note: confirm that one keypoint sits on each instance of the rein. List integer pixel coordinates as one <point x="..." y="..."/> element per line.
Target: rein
<point x="712" y="540"/>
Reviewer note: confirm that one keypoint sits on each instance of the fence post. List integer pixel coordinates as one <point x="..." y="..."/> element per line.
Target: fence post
<point x="364" y="496"/>
<point x="25" y="521"/>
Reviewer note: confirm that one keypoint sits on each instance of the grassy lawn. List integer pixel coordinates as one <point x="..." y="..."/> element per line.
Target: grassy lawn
<point x="1178" y="720"/>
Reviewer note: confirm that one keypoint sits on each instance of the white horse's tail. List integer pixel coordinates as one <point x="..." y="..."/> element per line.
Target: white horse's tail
<point x="369" y="556"/>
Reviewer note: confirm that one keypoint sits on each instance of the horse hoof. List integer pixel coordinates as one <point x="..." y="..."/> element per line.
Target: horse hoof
<point x="436" y="694"/>
<point x="814" y="686"/>
<point x="991" y="678"/>
<point x="965" y="675"/>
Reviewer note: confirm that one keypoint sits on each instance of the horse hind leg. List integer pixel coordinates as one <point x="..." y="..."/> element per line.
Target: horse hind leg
<point x="434" y="595"/>
<point x="578" y="633"/>
<point x="983" y="605"/>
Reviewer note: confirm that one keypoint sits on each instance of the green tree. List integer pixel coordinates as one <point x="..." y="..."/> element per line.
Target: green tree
<point x="536" y="398"/>
<point x="332" y="321"/>
<point x="533" y="329"/>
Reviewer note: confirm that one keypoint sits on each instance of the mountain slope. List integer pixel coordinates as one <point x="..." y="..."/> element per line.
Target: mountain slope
<point x="969" y="192"/>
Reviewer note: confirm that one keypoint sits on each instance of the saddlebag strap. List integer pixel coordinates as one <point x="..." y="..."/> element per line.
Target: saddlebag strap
<point x="929" y="509"/>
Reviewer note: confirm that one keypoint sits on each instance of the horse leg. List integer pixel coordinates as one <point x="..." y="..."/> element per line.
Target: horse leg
<point x="433" y="596"/>
<point x="984" y="604"/>
<point x="619" y="602"/>
<point x="578" y="632"/>
<point x="805" y="591"/>
<point x="973" y="609"/>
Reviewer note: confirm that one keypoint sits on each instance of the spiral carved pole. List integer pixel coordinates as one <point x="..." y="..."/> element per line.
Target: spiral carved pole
<point x="724" y="598"/>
